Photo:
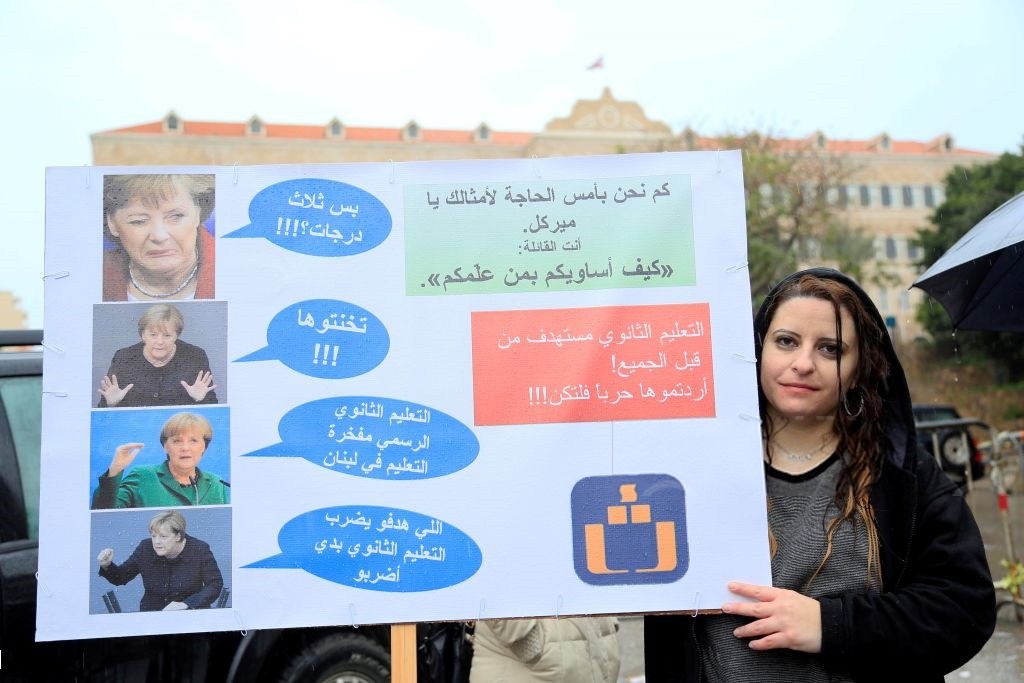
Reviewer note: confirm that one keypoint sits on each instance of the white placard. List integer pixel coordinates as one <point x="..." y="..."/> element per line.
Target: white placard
<point x="445" y="390"/>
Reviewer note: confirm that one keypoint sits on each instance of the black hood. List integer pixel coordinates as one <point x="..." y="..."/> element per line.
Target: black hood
<point x="898" y="416"/>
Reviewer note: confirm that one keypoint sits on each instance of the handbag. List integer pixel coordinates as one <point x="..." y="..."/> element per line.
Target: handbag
<point x="444" y="651"/>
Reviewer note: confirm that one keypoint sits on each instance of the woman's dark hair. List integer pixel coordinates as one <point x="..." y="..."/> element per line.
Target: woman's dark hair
<point x="858" y="417"/>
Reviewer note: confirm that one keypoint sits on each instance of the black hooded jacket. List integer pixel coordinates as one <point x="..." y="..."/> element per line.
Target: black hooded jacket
<point x="937" y="607"/>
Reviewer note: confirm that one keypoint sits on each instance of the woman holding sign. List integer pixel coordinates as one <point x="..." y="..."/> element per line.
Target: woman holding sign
<point x="878" y="566"/>
<point x="176" y="481"/>
<point x="157" y="244"/>
<point x="178" y="571"/>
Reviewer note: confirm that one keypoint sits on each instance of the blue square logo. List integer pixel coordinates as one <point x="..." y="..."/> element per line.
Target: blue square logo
<point x="629" y="529"/>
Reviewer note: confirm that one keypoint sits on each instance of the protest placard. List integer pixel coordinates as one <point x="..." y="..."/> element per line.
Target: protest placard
<point x="436" y="391"/>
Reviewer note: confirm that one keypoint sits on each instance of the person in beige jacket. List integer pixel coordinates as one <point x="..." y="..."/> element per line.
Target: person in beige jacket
<point x="568" y="650"/>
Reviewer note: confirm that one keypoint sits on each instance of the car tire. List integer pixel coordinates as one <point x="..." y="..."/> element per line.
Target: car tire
<point x="954" y="454"/>
<point x="339" y="658"/>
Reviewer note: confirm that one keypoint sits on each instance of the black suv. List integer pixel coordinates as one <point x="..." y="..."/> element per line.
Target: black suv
<point x="298" y="655"/>
<point x="943" y="432"/>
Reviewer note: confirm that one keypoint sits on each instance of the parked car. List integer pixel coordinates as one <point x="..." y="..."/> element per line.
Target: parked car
<point x="943" y="432"/>
<point x="298" y="655"/>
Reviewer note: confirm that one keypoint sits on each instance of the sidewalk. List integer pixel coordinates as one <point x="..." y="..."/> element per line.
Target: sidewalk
<point x="1002" y="658"/>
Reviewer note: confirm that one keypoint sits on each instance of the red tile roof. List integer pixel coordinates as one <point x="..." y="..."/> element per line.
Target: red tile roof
<point x="870" y="146"/>
<point x="308" y="132"/>
<point x="155" y="127"/>
<point x="442" y="136"/>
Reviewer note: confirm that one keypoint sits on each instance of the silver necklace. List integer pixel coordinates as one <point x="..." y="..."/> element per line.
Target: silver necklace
<point x="183" y="285"/>
<point x="804" y="457"/>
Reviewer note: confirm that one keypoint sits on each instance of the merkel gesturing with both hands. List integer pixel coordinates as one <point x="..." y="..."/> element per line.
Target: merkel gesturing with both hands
<point x="178" y="571"/>
<point x="159" y="370"/>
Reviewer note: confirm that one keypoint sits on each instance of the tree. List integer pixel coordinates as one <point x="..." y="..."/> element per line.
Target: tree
<point x="794" y="210"/>
<point x="971" y="194"/>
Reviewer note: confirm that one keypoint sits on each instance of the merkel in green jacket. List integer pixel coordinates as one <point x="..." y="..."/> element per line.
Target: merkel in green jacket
<point x="149" y="486"/>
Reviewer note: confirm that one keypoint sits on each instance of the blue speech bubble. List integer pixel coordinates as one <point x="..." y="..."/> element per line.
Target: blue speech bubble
<point x="325" y="338"/>
<point x="378" y="438"/>
<point x="317" y="217"/>
<point x="376" y="548"/>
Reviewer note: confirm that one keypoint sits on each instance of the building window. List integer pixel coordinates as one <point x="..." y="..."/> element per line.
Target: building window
<point x="929" y="196"/>
<point x="811" y="249"/>
<point x="886" y="196"/>
<point x="821" y="193"/>
<point x="913" y="249"/>
<point x="336" y="129"/>
<point x="412" y="131"/>
<point x="865" y="195"/>
<point x="254" y="126"/>
<point x="843" y="196"/>
<point x="883" y="300"/>
<point x="904" y="301"/>
<point x="890" y="248"/>
<point x="484" y="133"/>
<point x="908" y="195"/>
<point x="815" y="193"/>
<point x="172" y="122"/>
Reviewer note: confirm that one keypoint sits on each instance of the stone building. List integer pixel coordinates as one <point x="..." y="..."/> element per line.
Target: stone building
<point x="12" y="317"/>
<point x="892" y="186"/>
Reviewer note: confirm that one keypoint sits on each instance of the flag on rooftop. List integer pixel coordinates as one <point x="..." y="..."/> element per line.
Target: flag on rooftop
<point x="599" y="64"/>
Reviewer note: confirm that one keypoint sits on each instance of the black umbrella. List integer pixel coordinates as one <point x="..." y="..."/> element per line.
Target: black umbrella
<point x="980" y="279"/>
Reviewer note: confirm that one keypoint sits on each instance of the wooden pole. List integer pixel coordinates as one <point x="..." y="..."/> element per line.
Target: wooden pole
<point x="403" y="653"/>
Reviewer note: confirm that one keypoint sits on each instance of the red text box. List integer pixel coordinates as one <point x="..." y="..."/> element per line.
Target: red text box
<point x="592" y="364"/>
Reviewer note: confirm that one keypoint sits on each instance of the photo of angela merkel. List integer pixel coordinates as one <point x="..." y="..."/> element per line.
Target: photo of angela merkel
<point x="161" y="369"/>
<point x="178" y="570"/>
<point x="177" y="480"/>
<point x="157" y="244"/>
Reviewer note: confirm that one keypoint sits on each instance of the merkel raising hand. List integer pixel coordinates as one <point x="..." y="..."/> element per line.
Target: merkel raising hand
<point x="105" y="557"/>
<point x="123" y="456"/>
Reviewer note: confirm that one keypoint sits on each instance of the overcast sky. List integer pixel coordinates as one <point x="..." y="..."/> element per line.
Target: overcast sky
<point x="850" y="68"/>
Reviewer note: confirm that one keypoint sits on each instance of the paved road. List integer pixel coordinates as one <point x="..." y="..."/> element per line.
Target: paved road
<point x="1002" y="658"/>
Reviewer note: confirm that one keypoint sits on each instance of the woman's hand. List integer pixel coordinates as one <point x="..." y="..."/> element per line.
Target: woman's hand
<point x="203" y="385"/>
<point x="111" y="392"/>
<point x="105" y="557"/>
<point x="175" y="607"/>
<point x="782" y="618"/>
<point x="123" y="457"/>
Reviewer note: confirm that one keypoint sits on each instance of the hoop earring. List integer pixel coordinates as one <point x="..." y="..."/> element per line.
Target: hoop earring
<point x="846" y="406"/>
